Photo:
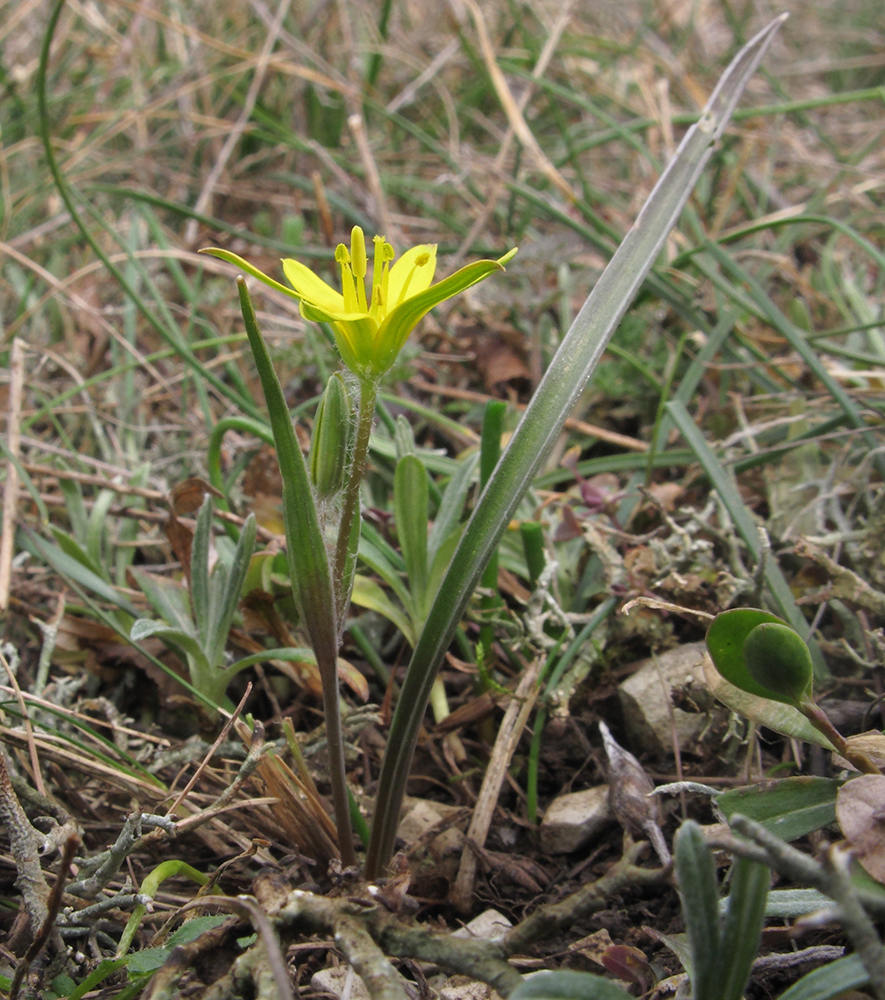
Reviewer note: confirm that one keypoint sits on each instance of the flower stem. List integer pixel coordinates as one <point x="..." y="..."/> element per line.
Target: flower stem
<point x="821" y="722"/>
<point x="345" y="549"/>
<point x="327" y="661"/>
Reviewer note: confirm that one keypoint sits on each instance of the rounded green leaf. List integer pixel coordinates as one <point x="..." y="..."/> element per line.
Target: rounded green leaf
<point x="725" y="642"/>
<point x="777" y="657"/>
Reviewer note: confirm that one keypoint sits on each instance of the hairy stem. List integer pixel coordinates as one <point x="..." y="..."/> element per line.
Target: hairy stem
<point x="345" y="554"/>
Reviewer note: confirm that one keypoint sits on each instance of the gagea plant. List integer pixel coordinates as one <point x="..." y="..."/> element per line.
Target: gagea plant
<point x="371" y="322"/>
<point x="371" y="317"/>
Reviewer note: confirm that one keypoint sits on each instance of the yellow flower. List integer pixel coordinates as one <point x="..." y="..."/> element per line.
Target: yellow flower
<point x="372" y="323"/>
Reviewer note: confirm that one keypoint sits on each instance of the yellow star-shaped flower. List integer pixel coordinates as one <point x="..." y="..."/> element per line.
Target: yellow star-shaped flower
<point x="371" y="324"/>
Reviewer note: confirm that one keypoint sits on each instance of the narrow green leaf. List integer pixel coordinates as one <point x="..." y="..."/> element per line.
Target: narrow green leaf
<point x="97" y="526"/>
<point x="289" y="654"/>
<point x="386" y="563"/>
<point x="739" y="938"/>
<point x="223" y="609"/>
<point x="829" y="982"/>
<point x="540" y="426"/>
<point x="146" y="628"/>
<point x="696" y="872"/>
<point x="309" y="570"/>
<point x="200" y="571"/>
<point x="790" y="808"/>
<point x="410" y="505"/>
<point x="451" y="507"/>
<point x="168" y="598"/>
<point x="792" y="903"/>
<point x="369" y="595"/>
<point x="72" y="569"/>
<point x="71" y="547"/>
<point x="305" y="549"/>
<point x="567" y="985"/>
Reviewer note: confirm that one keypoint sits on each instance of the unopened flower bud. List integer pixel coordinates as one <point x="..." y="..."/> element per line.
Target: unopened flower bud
<point x="330" y="440"/>
<point x="630" y="795"/>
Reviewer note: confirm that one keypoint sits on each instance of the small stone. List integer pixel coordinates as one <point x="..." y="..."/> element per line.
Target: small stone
<point x="572" y="820"/>
<point x="489" y="924"/>
<point x="647" y="700"/>
<point x="335" y="981"/>
<point x="422" y="816"/>
<point x="594" y="945"/>
<point x="464" y="988"/>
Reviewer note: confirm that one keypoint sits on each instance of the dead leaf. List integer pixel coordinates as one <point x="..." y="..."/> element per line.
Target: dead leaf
<point x="870" y="743"/>
<point x="860" y="811"/>
<point x="187" y="496"/>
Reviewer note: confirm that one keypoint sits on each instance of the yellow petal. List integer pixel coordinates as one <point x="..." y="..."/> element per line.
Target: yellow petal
<point x="311" y="287"/>
<point x="408" y="277"/>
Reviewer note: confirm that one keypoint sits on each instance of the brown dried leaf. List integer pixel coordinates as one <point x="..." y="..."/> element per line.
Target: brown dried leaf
<point x="860" y="811"/>
<point x="187" y="496"/>
<point x="870" y="743"/>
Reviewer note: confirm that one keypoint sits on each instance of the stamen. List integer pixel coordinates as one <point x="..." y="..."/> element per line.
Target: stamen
<point x="377" y="303"/>
<point x="359" y="264"/>
<point x="420" y="261"/>
<point x="387" y="255"/>
<point x="342" y="257"/>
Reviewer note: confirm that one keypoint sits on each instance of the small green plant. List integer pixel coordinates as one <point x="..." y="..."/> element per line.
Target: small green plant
<point x="722" y="949"/>
<point x="761" y="654"/>
<point x="370" y="326"/>
<point x="196" y="621"/>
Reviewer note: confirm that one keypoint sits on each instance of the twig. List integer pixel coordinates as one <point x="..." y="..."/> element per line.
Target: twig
<point x="13" y="447"/>
<point x="26" y="725"/>
<point x="24" y="845"/>
<point x="52" y="908"/>
<point x="267" y="935"/>
<point x="295" y="910"/>
<point x="589" y="899"/>
<point x="222" y="736"/>
<point x="367" y="959"/>
<point x="509" y="733"/>
<point x="99" y="870"/>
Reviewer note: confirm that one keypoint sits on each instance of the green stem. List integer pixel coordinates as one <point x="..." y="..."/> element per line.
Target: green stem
<point x="345" y="549"/>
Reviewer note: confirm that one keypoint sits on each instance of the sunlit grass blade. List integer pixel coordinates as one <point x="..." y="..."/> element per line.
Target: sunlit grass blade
<point x="541" y="424"/>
